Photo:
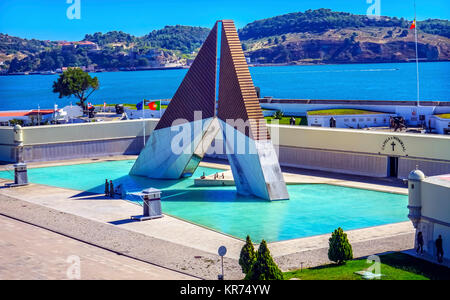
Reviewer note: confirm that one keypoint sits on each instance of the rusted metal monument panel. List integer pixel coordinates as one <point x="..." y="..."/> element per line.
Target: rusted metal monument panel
<point x="197" y="91"/>
<point x="237" y="94"/>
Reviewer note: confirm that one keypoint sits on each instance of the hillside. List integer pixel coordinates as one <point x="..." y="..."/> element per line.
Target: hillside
<point x="170" y="46"/>
<point x="324" y="36"/>
<point x="185" y="39"/>
<point x="321" y="20"/>
<point x="350" y="45"/>
<point x="312" y="37"/>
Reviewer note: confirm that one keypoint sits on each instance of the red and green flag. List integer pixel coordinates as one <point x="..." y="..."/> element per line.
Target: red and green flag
<point x="155" y="105"/>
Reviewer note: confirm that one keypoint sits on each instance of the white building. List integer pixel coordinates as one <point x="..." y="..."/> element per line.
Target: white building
<point x="429" y="207"/>
<point x="439" y="124"/>
<point x="28" y="117"/>
<point x="351" y="121"/>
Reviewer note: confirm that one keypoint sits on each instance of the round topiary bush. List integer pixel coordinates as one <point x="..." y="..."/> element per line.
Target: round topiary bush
<point x="340" y="249"/>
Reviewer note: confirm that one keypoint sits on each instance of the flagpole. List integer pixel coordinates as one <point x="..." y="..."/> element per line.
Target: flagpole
<point x="143" y="117"/>
<point x="417" y="55"/>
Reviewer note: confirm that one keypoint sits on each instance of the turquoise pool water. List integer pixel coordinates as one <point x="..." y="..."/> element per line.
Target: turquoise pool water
<point x="313" y="208"/>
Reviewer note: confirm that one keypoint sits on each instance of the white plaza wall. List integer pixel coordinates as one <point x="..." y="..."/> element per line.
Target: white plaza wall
<point x="338" y="150"/>
<point x="435" y="217"/>
<point x="57" y="142"/>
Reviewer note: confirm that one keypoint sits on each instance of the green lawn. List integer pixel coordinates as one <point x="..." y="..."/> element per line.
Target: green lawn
<point x="285" y="120"/>
<point x="444" y="116"/>
<point x="342" y="111"/>
<point x="394" y="266"/>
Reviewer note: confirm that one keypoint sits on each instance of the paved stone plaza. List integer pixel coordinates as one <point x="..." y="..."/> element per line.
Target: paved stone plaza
<point x="168" y="242"/>
<point x="29" y="252"/>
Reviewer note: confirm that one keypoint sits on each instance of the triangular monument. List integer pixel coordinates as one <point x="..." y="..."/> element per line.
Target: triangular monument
<point x="191" y="122"/>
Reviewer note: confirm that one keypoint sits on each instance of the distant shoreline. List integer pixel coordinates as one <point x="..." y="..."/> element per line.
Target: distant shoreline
<point x="46" y="73"/>
<point x="348" y="63"/>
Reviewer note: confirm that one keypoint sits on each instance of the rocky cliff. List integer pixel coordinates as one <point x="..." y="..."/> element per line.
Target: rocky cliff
<point x="368" y="45"/>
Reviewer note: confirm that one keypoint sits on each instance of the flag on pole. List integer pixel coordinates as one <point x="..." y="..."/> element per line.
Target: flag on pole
<point x="104" y="106"/>
<point x="140" y="105"/>
<point x="155" y="105"/>
<point x="413" y="25"/>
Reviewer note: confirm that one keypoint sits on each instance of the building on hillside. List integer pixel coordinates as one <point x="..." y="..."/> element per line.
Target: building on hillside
<point x="82" y="44"/>
<point x="429" y="211"/>
<point x="87" y="45"/>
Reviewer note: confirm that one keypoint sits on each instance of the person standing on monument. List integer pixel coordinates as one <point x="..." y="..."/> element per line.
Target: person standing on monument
<point x="111" y="189"/>
<point x="106" y="188"/>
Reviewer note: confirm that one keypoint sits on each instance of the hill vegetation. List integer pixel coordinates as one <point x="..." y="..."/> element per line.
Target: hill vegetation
<point x="185" y="39"/>
<point x="310" y="37"/>
<point x="116" y="50"/>
<point x="321" y="20"/>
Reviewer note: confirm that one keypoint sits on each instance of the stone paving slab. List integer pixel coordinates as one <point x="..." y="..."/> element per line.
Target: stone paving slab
<point x="28" y="252"/>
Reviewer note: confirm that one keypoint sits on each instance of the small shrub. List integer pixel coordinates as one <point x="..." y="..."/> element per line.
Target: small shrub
<point x="340" y="249"/>
<point x="14" y="122"/>
<point x="278" y="115"/>
<point x="264" y="268"/>
<point x="248" y="256"/>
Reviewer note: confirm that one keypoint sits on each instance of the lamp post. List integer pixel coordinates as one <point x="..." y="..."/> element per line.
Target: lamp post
<point x="222" y="251"/>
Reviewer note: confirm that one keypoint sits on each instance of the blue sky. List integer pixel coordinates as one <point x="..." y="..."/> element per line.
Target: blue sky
<point x="46" y="19"/>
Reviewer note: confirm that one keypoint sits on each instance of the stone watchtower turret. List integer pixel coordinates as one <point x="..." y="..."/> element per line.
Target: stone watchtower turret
<point x="18" y="141"/>
<point x="415" y="179"/>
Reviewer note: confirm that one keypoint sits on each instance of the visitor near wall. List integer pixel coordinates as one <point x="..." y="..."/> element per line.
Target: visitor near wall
<point x="439" y="249"/>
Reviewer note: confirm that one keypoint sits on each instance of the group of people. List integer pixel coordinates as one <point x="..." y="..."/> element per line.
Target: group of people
<point x="217" y="176"/>
<point x="438" y="244"/>
<point x="397" y="123"/>
<point x="109" y="188"/>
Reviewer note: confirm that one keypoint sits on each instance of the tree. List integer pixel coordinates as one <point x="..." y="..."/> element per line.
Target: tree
<point x="75" y="82"/>
<point x="278" y="115"/>
<point x="143" y="62"/>
<point x="248" y="256"/>
<point x="339" y="249"/>
<point x="264" y="268"/>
